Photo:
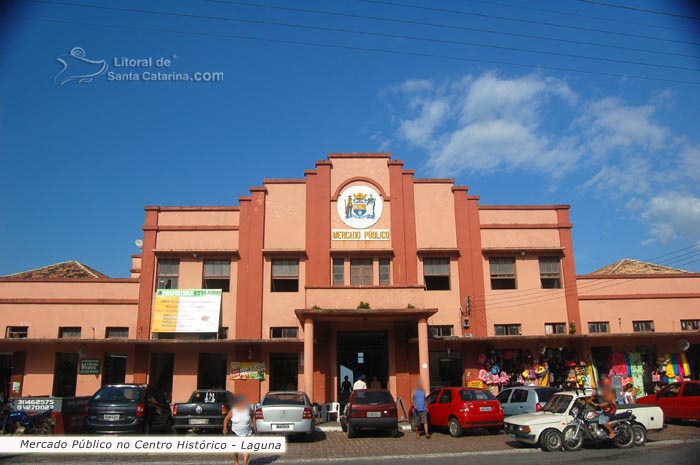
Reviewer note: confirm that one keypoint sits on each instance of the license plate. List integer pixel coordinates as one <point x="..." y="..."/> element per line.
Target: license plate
<point x="278" y="427"/>
<point x="199" y="421"/>
<point x="485" y="409"/>
<point x="374" y="414"/>
<point x="110" y="417"/>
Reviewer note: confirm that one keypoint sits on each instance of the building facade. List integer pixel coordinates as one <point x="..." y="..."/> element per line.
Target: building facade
<point x="357" y="268"/>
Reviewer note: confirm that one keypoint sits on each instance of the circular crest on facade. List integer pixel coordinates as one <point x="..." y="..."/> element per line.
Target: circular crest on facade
<point x="360" y="207"/>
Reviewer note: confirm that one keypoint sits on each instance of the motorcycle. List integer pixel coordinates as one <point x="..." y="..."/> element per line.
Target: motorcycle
<point x="15" y="422"/>
<point x="585" y="427"/>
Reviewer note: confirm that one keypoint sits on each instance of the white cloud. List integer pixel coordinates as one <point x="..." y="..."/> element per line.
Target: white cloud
<point x="672" y="215"/>
<point x="488" y="123"/>
<point x="621" y="151"/>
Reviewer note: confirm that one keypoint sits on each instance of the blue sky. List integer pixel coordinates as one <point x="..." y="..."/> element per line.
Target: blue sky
<point x="80" y="160"/>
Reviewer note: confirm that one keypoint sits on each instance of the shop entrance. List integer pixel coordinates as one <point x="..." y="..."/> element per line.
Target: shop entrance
<point x="363" y="353"/>
<point x="65" y="374"/>
<point x="211" y="372"/>
<point x="161" y="371"/>
<point x="445" y="368"/>
<point x="5" y="375"/>
<point x="284" y="371"/>
<point x="114" y="371"/>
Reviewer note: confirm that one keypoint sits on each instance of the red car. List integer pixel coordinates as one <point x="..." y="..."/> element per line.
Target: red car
<point x="464" y="408"/>
<point x="370" y="409"/>
<point x="679" y="401"/>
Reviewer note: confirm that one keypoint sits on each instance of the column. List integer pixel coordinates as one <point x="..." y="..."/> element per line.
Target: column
<point x="423" y="356"/>
<point x="309" y="358"/>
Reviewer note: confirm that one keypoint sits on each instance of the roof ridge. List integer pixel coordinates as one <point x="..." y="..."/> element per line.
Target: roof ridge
<point x="38" y="268"/>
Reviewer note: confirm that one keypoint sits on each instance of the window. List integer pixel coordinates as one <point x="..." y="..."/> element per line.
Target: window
<point x="111" y="332"/>
<point x="361" y="272"/>
<point x="670" y="391"/>
<point x="502" y="273"/>
<point x="168" y="273"/>
<point x="16" y="332"/>
<point x="217" y="275"/>
<point x="519" y="396"/>
<point x="687" y="325"/>
<point x="643" y="326"/>
<point x="440" y="331"/>
<point x="550" y="274"/>
<point x="276" y="333"/>
<point x="555" y="328"/>
<point x="436" y="274"/>
<point x="503" y="396"/>
<point x="285" y="275"/>
<point x="598" y="327"/>
<point x="446" y="397"/>
<point x="507" y="330"/>
<point x="338" y="271"/>
<point x="65" y="332"/>
<point x="432" y="398"/>
<point x="691" y="390"/>
<point x="384" y="272"/>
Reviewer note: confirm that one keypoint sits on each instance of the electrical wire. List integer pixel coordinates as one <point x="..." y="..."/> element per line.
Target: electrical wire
<point x="352" y="48"/>
<point x="443" y="26"/>
<point x="521" y="20"/>
<point x="580" y="15"/>
<point x="670" y="258"/>
<point x="364" y="33"/>
<point x="644" y="10"/>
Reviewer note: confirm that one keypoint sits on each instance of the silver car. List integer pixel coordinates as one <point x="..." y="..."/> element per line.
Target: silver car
<point x="524" y="399"/>
<point x="286" y="412"/>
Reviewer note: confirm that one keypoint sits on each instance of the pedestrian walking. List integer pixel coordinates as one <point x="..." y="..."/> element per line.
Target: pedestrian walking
<point x="239" y="421"/>
<point x="420" y="410"/>
<point x="360" y="383"/>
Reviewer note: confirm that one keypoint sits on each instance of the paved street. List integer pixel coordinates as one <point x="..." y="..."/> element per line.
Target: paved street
<point x="679" y="441"/>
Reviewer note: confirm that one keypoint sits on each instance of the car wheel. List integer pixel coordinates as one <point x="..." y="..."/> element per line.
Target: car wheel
<point x="455" y="428"/>
<point x="640" y="435"/>
<point x="352" y="431"/>
<point x="551" y="440"/>
<point x="573" y="438"/>
<point x="395" y="433"/>
<point x="344" y="426"/>
<point x="624" y="438"/>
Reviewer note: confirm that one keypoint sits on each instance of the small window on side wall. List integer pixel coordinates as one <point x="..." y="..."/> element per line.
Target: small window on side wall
<point x="502" y="272"/>
<point x="116" y="332"/>
<point x="285" y="276"/>
<point x="436" y="274"/>
<point x="68" y="332"/>
<point x="217" y="275"/>
<point x="550" y="273"/>
<point x="284" y="332"/>
<point x="168" y="273"/>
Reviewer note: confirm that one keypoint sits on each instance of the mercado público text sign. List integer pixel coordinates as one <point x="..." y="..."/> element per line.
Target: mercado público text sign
<point x="186" y="311"/>
<point x="360" y="207"/>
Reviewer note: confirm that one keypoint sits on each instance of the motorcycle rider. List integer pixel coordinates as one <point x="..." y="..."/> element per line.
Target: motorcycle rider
<point x="608" y="405"/>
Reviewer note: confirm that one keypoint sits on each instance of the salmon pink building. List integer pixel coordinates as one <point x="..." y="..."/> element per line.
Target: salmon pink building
<point x="356" y="268"/>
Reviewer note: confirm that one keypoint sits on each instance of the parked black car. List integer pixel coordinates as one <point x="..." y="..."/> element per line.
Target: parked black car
<point x="128" y="408"/>
<point x="204" y="412"/>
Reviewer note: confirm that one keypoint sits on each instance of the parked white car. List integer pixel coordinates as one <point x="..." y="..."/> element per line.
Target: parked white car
<point x="545" y="427"/>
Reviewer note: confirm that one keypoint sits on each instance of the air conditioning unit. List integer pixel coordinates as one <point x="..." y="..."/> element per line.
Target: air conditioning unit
<point x="465" y="323"/>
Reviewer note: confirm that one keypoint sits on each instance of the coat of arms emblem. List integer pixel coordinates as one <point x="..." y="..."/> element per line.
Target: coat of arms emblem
<point x="359" y="206"/>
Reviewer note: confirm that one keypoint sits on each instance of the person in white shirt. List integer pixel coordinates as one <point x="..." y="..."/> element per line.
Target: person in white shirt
<point x="360" y="383"/>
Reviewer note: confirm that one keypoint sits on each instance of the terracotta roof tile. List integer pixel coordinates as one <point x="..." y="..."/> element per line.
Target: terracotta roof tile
<point x="71" y="269"/>
<point x="631" y="267"/>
